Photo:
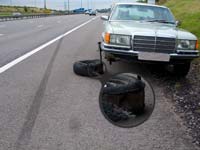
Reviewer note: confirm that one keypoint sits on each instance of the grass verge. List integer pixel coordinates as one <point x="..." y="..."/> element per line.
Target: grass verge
<point x="188" y="12"/>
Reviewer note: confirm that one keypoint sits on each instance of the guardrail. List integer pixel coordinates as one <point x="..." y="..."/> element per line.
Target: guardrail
<point x="20" y="17"/>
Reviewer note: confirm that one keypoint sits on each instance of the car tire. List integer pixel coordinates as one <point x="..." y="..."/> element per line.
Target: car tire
<point x="122" y="89"/>
<point x="181" y="70"/>
<point x="88" y="68"/>
<point x="123" y="83"/>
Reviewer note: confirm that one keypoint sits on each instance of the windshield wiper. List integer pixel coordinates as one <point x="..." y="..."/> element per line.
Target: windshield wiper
<point x="160" y="21"/>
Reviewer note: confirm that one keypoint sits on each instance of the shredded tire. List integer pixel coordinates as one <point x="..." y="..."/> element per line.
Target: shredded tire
<point x="89" y="68"/>
<point x="126" y="92"/>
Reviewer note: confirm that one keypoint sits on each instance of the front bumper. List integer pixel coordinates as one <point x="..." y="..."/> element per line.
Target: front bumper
<point x="125" y="51"/>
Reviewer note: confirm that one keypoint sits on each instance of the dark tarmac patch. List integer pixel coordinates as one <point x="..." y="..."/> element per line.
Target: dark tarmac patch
<point x="74" y="123"/>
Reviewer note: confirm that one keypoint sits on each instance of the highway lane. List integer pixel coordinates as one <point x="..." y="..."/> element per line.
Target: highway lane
<point x="20" y="37"/>
<point x="45" y="106"/>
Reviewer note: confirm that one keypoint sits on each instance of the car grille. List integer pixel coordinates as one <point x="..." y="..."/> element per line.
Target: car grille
<point x="154" y="44"/>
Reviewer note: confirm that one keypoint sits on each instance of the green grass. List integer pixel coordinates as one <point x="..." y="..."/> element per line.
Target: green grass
<point x="188" y="12"/>
<point x="5" y="14"/>
<point x="8" y="10"/>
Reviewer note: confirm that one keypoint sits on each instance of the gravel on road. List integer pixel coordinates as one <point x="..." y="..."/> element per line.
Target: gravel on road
<point x="185" y="96"/>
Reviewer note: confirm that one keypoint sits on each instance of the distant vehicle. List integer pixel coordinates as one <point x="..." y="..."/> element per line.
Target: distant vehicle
<point x="148" y="33"/>
<point x="87" y="12"/>
<point x="79" y="10"/>
<point x="93" y="13"/>
<point x="16" y="14"/>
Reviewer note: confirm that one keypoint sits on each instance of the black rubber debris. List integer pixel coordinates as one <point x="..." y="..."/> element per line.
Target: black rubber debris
<point x="89" y="68"/>
<point x="126" y="92"/>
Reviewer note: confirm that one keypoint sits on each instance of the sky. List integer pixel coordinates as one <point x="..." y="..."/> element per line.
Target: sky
<point x="62" y="4"/>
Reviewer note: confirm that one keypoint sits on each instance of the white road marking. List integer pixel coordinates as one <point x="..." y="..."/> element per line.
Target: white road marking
<point x="27" y="55"/>
<point x="40" y="26"/>
<point x="1" y="34"/>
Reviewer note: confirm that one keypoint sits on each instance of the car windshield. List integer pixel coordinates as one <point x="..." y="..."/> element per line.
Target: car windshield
<point x="142" y="13"/>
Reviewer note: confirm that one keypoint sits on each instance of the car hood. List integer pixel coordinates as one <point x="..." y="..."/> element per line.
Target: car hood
<point x="148" y="29"/>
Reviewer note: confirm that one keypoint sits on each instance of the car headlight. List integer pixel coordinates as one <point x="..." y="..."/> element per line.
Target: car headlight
<point x="186" y="44"/>
<point x="117" y="39"/>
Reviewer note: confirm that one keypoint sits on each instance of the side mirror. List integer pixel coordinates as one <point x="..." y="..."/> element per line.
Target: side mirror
<point x="178" y="23"/>
<point x="105" y="18"/>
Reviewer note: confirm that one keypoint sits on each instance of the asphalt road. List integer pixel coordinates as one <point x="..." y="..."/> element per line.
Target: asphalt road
<point x="45" y="106"/>
<point x="20" y="37"/>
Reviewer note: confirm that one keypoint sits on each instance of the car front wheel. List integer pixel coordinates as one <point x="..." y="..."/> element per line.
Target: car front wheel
<point x="181" y="70"/>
